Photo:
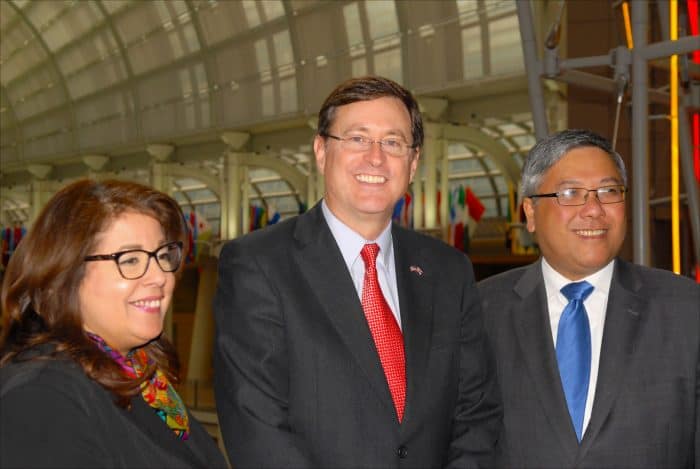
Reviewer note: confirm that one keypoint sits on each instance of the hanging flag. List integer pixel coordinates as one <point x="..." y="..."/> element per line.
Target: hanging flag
<point x="475" y="210"/>
<point x="408" y="210"/>
<point x="398" y="210"/>
<point x="460" y="219"/>
<point x="273" y="216"/>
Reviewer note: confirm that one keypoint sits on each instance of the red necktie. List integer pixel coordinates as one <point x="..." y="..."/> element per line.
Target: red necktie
<point x="385" y="331"/>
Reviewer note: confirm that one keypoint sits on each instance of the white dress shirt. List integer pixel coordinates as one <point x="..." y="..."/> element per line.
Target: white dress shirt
<point x="351" y="244"/>
<point x="596" y="305"/>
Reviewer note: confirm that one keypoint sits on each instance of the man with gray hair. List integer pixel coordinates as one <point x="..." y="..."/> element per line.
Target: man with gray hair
<point x="598" y="359"/>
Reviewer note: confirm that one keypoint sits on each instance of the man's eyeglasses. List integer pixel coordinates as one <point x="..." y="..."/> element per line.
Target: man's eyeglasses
<point x="579" y="195"/>
<point x="133" y="263"/>
<point x="358" y="143"/>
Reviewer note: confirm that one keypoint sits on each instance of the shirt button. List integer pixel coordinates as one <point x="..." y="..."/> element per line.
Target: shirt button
<point x="402" y="452"/>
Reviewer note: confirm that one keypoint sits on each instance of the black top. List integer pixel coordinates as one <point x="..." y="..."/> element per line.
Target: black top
<point x="53" y="415"/>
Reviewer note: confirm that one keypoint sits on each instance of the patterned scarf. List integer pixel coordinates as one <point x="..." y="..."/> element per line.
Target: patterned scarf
<point x="157" y="392"/>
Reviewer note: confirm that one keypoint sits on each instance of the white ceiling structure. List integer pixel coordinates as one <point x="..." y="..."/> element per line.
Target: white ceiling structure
<point x="110" y="77"/>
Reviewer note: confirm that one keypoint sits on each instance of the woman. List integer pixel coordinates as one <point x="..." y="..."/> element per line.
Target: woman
<point x="86" y="379"/>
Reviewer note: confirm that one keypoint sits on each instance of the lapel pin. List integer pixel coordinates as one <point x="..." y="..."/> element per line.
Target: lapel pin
<point x="416" y="269"/>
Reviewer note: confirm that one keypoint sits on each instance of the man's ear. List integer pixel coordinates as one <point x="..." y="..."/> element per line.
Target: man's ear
<point x="529" y="208"/>
<point x="413" y="165"/>
<point x="320" y="152"/>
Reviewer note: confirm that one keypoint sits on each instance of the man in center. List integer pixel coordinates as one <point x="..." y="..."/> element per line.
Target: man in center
<point x="344" y="340"/>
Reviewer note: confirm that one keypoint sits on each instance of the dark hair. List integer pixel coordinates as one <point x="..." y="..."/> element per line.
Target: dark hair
<point x="551" y="149"/>
<point x="366" y="89"/>
<point x="40" y="290"/>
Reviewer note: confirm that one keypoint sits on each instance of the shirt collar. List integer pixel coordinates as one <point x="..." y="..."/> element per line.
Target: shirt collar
<point x="554" y="281"/>
<point x="351" y="243"/>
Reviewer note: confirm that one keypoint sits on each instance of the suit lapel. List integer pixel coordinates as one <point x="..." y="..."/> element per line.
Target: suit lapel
<point x="624" y="310"/>
<point x="533" y="331"/>
<point x="323" y="267"/>
<point x="415" y="287"/>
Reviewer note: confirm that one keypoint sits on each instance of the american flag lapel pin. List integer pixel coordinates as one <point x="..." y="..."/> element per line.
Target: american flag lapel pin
<point x="416" y="269"/>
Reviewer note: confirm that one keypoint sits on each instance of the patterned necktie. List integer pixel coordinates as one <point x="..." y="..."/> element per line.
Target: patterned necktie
<point x="574" y="351"/>
<point x="385" y="331"/>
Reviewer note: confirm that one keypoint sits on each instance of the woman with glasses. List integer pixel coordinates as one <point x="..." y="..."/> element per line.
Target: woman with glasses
<point x="86" y="378"/>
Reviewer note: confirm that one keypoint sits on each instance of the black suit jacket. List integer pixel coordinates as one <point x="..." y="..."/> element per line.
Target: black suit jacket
<point x="645" y="410"/>
<point x="297" y="378"/>
<point x="53" y="415"/>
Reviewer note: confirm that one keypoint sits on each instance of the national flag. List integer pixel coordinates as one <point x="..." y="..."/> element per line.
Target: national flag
<point x="475" y="210"/>
<point x="273" y="215"/>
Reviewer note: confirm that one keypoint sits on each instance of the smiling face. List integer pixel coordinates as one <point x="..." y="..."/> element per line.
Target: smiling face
<point x="580" y="240"/>
<point x="126" y="313"/>
<point x="363" y="187"/>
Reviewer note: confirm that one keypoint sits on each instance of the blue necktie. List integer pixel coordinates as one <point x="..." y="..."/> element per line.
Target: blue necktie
<point x="574" y="351"/>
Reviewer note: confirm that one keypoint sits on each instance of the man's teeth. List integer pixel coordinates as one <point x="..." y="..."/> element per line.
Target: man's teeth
<point x="370" y="179"/>
<point x="590" y="232"/>
<point x="147" y="303"/>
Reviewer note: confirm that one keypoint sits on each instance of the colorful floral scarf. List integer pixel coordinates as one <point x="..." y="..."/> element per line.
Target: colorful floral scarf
<point x="157" y="392"/>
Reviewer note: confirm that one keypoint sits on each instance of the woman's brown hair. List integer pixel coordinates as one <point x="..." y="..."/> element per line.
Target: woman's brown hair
<point x="40" y="289"/>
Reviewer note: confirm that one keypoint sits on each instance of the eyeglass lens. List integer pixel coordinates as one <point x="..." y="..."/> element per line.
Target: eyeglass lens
<point x="579" y="196"/>
<point x="133" y="264"/>
<point x="390" y="146"/>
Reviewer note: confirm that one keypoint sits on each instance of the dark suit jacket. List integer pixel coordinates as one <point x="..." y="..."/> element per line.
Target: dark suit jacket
<point x="297" y="378"/>
<point x="645" y="411"/>
<point x="53" y="415"/>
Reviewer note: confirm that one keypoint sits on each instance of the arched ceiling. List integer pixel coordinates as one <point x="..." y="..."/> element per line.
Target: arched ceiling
<point x="110" y="77"/>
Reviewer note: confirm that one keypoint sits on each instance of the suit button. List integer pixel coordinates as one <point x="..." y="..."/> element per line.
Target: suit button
<point x="402" y="452"/>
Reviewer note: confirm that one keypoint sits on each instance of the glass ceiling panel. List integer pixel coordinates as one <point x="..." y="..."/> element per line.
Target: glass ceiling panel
<point x="458" y="148"/>
<point x="220" y="20"/>
<point x="481" y="186"/>
<point x="262" y="55"/>
<point x="48" y="97"/>
<point x="382" y="18"/>
<point x="135" y="23"/>
<point x="100" y="75"/>
<point x="490" y="165"/>
<point x="302" y="4"/>
<point x="41" y="14"/>
<point x="273" y="186"/>
<point x="286" y="206"/>
<point x="467" y="9"/>
<point x="7" y="14"/>
<point x="508" y="129"/>
<point x="272" y="8"/>
<point x="172" y="10"/>
<point x="507" y="143"/>
<point x="87" y="52"/>
<point x="505" y="50"/>
<point x="250" y="9"/>
<point x="80" y="18"/>
<point x="501" y="185"/>
<point x="500" y="7"/>
<point x="180" y="198"/>
<point x="186" y="183"/>
<point x="261" y="173"/>
<point x="113" y="6"/>
<point x="465" y="166"/>
<point x="283" y="48"/>
<point x="29" y="53"/>
<point x="353" y="27"/>
<point x="32" y="84"/>
<point x="200" y="195"/>
<point x="525" y="141"/>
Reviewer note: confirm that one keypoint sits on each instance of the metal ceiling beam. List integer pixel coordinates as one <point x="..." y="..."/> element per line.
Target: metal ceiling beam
<point x="296" y="50"/>
<point x="51" y="58"/>
<point x="130" y="80"/>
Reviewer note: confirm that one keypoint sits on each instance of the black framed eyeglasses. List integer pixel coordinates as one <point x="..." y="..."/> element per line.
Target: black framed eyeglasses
<point x="133" y="263"/>
<point x="572" y="196"/>
<point x="393" y="146"/>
